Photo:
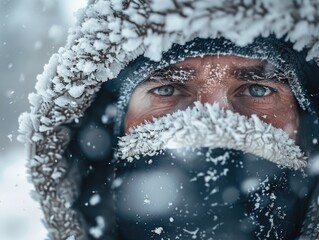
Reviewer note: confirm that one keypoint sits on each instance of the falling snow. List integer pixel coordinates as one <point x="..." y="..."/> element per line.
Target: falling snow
<point x="75" y="73"/>
<point x="158" y="230"/>
<point x="97" y="231"/>
<point x="95" y="199"/>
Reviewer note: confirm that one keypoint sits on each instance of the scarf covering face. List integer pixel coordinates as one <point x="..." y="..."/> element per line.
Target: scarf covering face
<point x="108" y="36"/>
<point x="207" y="173"/>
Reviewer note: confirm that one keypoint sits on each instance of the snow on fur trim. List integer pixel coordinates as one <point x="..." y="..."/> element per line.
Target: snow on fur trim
<point x="210" y="126"/>
<point x="110" y="34"/>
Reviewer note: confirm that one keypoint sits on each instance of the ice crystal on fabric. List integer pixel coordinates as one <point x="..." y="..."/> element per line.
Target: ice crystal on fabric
<point x="209" y="126"/>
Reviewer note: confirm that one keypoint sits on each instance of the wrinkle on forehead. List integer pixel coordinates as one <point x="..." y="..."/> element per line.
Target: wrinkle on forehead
<point x="241" y="68"/>
<point x="215" y="68"/>
<point x="212" y="60"/>
<point x="235" y="64"/>
<point x="211" y="70"/>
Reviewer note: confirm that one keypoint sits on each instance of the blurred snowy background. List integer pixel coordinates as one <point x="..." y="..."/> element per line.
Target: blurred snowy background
<point x="30" y="31"/>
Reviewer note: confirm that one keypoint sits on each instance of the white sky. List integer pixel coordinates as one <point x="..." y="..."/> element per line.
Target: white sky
<point x="71" y="6"/>
<point x="19" y="214"/>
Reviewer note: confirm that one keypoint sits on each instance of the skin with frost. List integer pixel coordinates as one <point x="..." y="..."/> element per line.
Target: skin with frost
<point x="243" y="85"/>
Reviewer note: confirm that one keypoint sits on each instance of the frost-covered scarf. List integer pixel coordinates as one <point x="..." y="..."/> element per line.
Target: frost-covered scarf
<point x="206" y="173"/>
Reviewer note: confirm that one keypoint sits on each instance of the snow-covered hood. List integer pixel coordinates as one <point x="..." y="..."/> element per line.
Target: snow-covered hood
<point x="108" y="36"/>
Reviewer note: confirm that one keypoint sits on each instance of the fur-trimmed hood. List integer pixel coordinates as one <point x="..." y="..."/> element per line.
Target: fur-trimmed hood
<point x="108" y="36"/>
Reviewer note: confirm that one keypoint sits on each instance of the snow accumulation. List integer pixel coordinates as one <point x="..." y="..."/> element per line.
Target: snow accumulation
<point x="210" y="126"/>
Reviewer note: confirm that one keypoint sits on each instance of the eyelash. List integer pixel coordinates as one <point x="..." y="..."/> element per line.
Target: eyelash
<point x="175" y="88"/>
<point x="246" y="87"/>
<point x="242" y="90"/>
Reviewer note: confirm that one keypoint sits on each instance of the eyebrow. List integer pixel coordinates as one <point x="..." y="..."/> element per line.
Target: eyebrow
<point x="171" y="73"/>
<point x="260" y="72"/>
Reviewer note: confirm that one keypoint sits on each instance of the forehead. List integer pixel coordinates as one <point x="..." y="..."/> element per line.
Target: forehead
<point x="219" y="60"/>
<point x="224" y="68"/>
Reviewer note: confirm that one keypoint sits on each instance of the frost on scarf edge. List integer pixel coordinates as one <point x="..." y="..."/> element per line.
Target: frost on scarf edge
<point x="210" y="126"/>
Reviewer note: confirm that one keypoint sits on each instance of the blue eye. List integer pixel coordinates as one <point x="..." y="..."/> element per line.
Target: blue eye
<point x="256" y="90"/>
<point x="166" y="90"/>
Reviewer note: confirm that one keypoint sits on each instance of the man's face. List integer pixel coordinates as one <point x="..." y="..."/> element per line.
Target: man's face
<point x="243" y="85"/>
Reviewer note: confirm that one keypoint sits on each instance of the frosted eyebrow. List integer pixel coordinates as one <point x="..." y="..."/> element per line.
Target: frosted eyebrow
<point x="259" y="72"/>
<point x="172" y="74"/>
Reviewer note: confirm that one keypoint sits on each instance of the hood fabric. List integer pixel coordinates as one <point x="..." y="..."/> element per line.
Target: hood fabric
<point x="109" y="37"/>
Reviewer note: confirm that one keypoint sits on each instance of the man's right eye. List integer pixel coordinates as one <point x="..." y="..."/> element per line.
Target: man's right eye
<point x="165" y="91"/>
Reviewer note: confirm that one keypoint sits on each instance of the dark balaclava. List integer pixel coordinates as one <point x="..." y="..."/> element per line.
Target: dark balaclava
<point x="201" y="173"/>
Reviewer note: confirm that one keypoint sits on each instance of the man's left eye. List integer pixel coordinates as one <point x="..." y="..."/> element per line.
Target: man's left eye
<point x="256" y="90"/>
<point x="166" y="91"/>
